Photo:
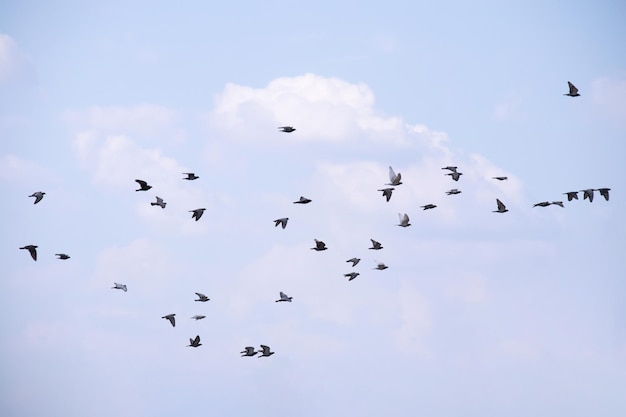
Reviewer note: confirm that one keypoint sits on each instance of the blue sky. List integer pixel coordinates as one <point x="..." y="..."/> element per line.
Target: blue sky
<point x="479" y="313"/>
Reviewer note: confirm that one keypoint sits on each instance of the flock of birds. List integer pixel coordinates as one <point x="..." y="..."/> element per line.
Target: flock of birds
<point x="395" y="180"/>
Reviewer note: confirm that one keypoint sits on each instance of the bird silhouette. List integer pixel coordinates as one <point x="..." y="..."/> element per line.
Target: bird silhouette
<point x="159" y="202"/>
<point x="404" y="220"/>
<point x="283" y="222"/>
<point x="588" y="194"/>
<point x="284" y="297"/>
<point x="38" y="196"/>
<point x="573" y="91"/>
<point x="500" y="178"/>
<point x="428" y="206"/>
<point x="171" y="318"/>
<point x="194" y="342"/>
<point x="198" y="317"/>
<point x="380" y="266"/>
<point x="394" y="179"/>
<point x="558" y="203"/>
<point x="249" y="351"/>
<point x="450" y="168"/>
<point x="354" y="261"/>
<point x="302" y="200"/>
<point x="32" y="249"/>
<point x="197" y="213"/>
<point x="287" y="129"/>
<point x="455" y="175"/>
<point x="201" y="297"/>
<point x="319" y="245"/>
<point x="351" y="275"/>
<point x="62" y="256"/>
<point x="501" y="207"/>
<point x="143" y="186"/>
<point x="190" y="176"/>
<point x="117" y="286"/>
<point x="387" y="192"/>
<point x="604" y="192"/>
<point x="375" y="245"/>
<point x="265" y="351"/>
<point x="572" y="195"/>
<point x="453" y="192"/>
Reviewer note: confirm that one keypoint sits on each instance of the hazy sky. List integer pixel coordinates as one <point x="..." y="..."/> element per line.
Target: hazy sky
<point x="479" y="313"/>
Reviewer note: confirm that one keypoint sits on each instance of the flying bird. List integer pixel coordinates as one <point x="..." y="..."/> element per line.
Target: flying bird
<point x="319" y="245"/>
<point x="197" y="213"/>
<point x="449" y="168"/>
<point x="387" y="192"/>
<point x="287" y="129"/>
<point x="354" y="261"/>
<point x="62" y="256"/>
<point x="558" y="203"/>
<point x="284" y="297"/>
<point x="351" y="275"/>
<point x="604" y="192"/>
<point x="202" y="297"/>
<point x="265" y="351"/>
<point x="404" y="220"/>
<point x="588" y="194"/>
<point x="428" y="206"/>
<point x="282" y="222"/>
<point x="198" y="317"/>
<point x="33" y="251"/>
<point x="380" y="266"/>
<point x="194" y="342"/>
<point x="303" y="200"/>
<point x="455" y="175"/>
<point x="171" y="318"/>
<point x="542" y="204"/>
<point x="190" y="176"/>
<point x="394" y="179"/>
<point x="500" y="178"/>
<point x="249" y="351"/>
<point x="143" y="186"/>
<point x="117" y="286"/>
<point x="572" y="195"/>
<point x="38" y="196"/>
<point x="159" y="202"/>
<point x="501" y="207"/>
<point x="453" y="191"/>
<point x="573" y="91"/>
<point x="376" y="245"/>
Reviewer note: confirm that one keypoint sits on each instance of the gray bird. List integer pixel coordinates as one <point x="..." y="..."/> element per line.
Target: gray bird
<point x="558" y="203"/>
<point x="542" y="204"/>
<point x="572" y="195"/>
<point x="387" y="192"/>
<point x="201" y="297"/>
<point x="501" y="207"/>
<point x="265" y="351"/>
<point x="351" y="275"/>
<point x="117" y="286"/>
<point x="197" y="213"/>
<point x="302" y="200"/>
<point x="32" y="249"/>
<point x="455" y="175"/>
<point x="283" y="222"/>
<point x="449" y="168"/>
<point x="354" y="261"/>
<point x="62" y="256"/>
<point x="284" y="297"/>
<point x="604" y="192"/>
<point x="319" y="245"/>
<point x="159" y="202"/>
<point x="573" y="91"/>
<point x="190" y="176"/>
<point x="375" y="245"/>
<point x="287" y="129"/>
<point x="194" y="342"/>
<point x="249" y="351"/>
<point x="198" y="317"/>
<point x="394" y="179"/>
<point x="404" y="220"/>
<point x="500" y="178"/>
<point x="453" y="192"/>
<point x="171" y="318"/>
<point x="143" y="186"/>
<point x="588" y="194"/>
<point x="428" y="206"/>
<point x="380" y="266"/>
<point x="38" y="196"/>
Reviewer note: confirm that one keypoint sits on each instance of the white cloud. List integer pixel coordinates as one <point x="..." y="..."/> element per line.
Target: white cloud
<point x="14" y="65"/>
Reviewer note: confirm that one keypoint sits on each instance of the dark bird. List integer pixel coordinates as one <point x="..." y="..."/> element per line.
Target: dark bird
<point x="542" y="204"/>
<point x="62" y="256"/>
<point x="404" y="220"/>
<point x="287" y="129"/>
<point x="159" y="202"/>
<point x="455" y="175"/>
<point x="572" y="195"/>
<point x="190" y="176"/>
<point x="453" y="191"/>
<point x="284" y="297"/>
<point x="249" y="351"/>
<point x="558" y="203"/>
<point x="197" y="213"/>
<point x="265" y="351"/>
<point x="380" y="266"/>
<point x="387" y="192"/>
<point x="303" y="200"/>
<point x="351" y="275"/>
<point x="573" y="91"/>
<point x="500" y="178"/>
<point x="117" y="286"/>
<point x="604" y="192"/>
<point x="394" y="179"/>
<point x="588" y="194"/>
<point x="202" y="297"/>
<point x="319" y="245"/>
<point x="38" y="196"/>
<point x="32" y="249"/>
<point x="449" y="168"/>
<point x="194" y="342"/>
<point x="376" y="245"/>
<point x="171" y="318"/>
<point x="198" y="317"/>
<point x="428" y="206"/>
<point x="282" y="222"/>
<point x="354" y="261"/>
<point x="501" y="207"/>
<point x="143" y="186"/>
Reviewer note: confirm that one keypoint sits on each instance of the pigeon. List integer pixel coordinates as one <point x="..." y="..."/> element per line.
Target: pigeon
<point x="376" y="245"/>
<point x="287" y="129"/>
<point x="303" y="200"/>
<point x="558" y="203"/>
<point x="319" y="245"/>
<point x="573" y="91"/>
<point x="588" y="193"/>
<point x="117" y="286"/>
<point x="572" y="195"/>
<point x="62" y="256"/>
<point x="265" y="351"/>
<point x="171" y="318"/>
<point x="354" y="261"/>
<point x="542" y="204"/>
<point x="393" y="178"/>
<point x="428" y="206"/>
<point x="38" y="196"/>
<point x="455" y="175"/>
<point x="190" y="176"/>
<point x="284" y="297"/>
<point x="143" y="186"/>
<point x="282" y="222"/>
<point x="249" y="351"/>
<point x="351" y="275"/>
<point x="202" y="297"/>
<point x="159" y="202"/>
<point x="387" y="192"/>
<point x="380" y="266"/>
<point x="453" y="191"/>
<point x="604" y="192"/>
<point x="194" y="342"/>
<point x="449" y="168"/>
<point x="501" y="207"/>
<point x="500" y="178"/>
<point x="32" y="249"/>
<point x="198" y="317"/>
<point x="197" y="213"/>
<point x="404" y="220"/>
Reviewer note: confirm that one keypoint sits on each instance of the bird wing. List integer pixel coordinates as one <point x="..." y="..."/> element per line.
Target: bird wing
<point x="572" y="88"/>
<point x="501" y="206"/>
<point x="392" y="175"/>
<point x="142" y="183"/>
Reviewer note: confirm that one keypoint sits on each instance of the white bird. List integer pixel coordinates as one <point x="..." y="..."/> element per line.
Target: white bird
<point x="282" y="221"/>
<point x="32" y="249"/>
<point x="159" y="202"/>
<point x="394" y="179"/>
<point x="194" y="342"/>
<point x="354" y="261"/>
<point x="171" y="318"/>
<point x="572" y="195"/>
<point x="404" y="220"/>
<point x="38" y="196"/>
<point x="604" y="192"/>
<point x="62" y="256"/>
<point x="198" y="317"/>
<point x="197" y="213"/>
<point x="376" y="245"/>
<point x="573" y="91"/>
<point x="501" y="207"/>
<point x="351" y="275"/>
<point x="319" y="245"/>
<point x="302" y="200"/>
<point x="380" y="266"/>
<point x="455" y="175"/>
<point x="284" y="297"/>
<point x="387" y="192"/>
<point x="287" y="129"/>
<point x="117" y="286"/>
<point x="202" y="297"/>
<point x="249" y="351"/>
<point x="190" y="176"/>
<point x="453" y="191"/>
<point x="265" y="351"/>
<point x="588" y="194"/>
